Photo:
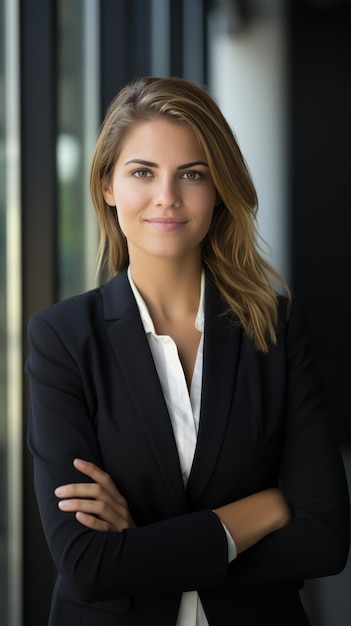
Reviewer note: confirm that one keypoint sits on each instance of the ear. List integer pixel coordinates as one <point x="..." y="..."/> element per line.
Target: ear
<point x="107" y="192"/>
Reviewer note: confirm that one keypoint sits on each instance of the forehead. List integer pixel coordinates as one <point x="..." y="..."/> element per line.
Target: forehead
<point x="160" y="135"/>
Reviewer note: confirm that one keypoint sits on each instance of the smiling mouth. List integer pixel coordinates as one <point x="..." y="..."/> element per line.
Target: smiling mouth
<point x="166" y="223"/>
<point x="165" y="220"/>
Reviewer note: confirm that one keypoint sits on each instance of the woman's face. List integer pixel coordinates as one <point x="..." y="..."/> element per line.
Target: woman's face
<point x="163" y="191"/>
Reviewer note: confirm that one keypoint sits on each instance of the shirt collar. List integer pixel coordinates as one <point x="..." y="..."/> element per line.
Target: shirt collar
<point x="144" y="311"/>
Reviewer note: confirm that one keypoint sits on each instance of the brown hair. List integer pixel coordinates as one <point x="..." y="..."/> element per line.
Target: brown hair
<point x="231" y="250"/>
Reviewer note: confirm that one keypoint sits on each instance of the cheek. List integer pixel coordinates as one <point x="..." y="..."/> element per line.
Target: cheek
<point x="208" y="198"/>
<point x="122" y="220"/>
<point x="127" y="214"/>
<point x="128" y="198"/>
<point x="208" y="206"/>
<point x="204" y="223"/>
<point x="207" y="222"/>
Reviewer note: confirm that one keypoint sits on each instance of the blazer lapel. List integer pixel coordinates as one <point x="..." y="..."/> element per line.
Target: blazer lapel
<point x="133" y="354"/>
<point x="222" y="339"/>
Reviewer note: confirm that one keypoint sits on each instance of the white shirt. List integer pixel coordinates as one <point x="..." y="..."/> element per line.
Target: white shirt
<point x="184" y="412"/>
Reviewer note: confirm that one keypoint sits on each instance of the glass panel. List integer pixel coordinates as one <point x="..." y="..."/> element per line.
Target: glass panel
<point x="3" y="373"/>
<point x="160" y="37"/>
<point x="10" y="321"/>
<point x="78" y="95"/>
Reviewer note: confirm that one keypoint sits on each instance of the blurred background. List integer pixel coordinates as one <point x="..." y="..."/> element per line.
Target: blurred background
<point x="280" y="71"/>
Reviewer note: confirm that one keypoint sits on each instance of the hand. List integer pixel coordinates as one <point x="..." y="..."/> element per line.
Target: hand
<point x="97" y="505"/>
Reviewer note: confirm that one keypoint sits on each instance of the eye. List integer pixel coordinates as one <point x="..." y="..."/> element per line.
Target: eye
<point x="141" y="173"/>
<point x="192" y="175"/>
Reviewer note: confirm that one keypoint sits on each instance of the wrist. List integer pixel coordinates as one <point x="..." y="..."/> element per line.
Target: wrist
<point x="252" y="518"/>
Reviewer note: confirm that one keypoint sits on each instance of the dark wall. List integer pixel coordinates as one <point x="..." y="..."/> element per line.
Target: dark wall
<point x="320" y="218"/>
<point x="320" y="114"/>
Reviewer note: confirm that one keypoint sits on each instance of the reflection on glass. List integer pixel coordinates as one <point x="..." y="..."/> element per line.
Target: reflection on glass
<point x="70" y="139"/>
<point x="3" y="376"/>
<point x="77" y="130"/>
<point x="10" y="321"/>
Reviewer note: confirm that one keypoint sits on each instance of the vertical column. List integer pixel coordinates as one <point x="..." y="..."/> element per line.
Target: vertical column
<point x="176" y="40"/>
<point x="39" y="223"/>
<point x="194" y="38"/>
<point x="125" y="44"/>
<point x="160" y="37"/>
<point x="91" y="102"/>
<point x="13" y="299"/>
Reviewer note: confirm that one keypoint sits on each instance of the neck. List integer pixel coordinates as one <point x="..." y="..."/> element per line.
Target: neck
<point x="170" y="287"/>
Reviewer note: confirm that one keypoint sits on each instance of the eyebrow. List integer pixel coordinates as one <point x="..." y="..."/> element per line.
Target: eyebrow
<point x="151" y="164"/>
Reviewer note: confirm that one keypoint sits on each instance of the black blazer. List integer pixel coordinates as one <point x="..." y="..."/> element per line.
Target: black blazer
<point x="95" y="394"/>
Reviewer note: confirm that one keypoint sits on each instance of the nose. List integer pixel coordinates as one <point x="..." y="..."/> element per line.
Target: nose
<point x="167" y="193"/>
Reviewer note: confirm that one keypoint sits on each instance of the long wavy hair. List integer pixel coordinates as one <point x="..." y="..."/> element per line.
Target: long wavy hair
<point x="232" y="249"/>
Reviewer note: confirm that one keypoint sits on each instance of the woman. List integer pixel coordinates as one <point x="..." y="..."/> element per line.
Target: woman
<point x="184" y="466"/>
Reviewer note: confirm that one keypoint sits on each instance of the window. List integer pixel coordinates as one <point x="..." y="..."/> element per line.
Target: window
<point x="10" y="320"/>
<point x="78" y="119"/>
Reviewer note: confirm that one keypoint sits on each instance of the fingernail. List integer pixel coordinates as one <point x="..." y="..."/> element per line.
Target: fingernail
<point x="62" y="504"/>
<point x="79" y="462"/>
<point x="59" y="491"/>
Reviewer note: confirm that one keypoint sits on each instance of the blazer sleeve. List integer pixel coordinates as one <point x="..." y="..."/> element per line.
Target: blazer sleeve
<point x="175" y="554"/>
<point x="312" y="477"/>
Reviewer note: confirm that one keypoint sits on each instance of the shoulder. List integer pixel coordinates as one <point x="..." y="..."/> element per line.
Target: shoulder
<point x="66" y="327"/>
<point x="290" y="312"/>
<point x="74" y="310"/>
<point x="62" y="338"/>
<point x="83" y="317"/>
<point x="293" y="329"/>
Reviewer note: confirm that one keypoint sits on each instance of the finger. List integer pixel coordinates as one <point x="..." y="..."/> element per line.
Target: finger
<point x="82" y="490"/>
<point x="117" y="519"/>
<point x="99" y="501"/>
<point x="94" y="523"/>
<point x="90" y="490"/>
<point x="91" y="470"/>
<point x="98" y="475"/>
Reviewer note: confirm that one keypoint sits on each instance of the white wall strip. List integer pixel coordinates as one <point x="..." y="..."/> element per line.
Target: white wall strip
<point x="91" y="104"/>
<point x="14" y="311"/>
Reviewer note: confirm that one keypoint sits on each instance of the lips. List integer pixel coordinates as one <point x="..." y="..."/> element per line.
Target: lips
<point x="166" y="223"/>
<point x="165" y="220"/>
